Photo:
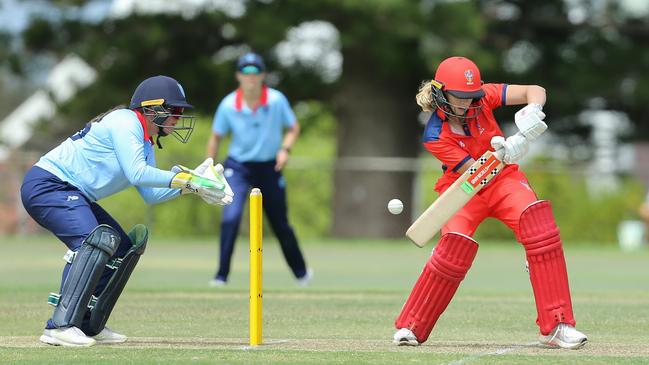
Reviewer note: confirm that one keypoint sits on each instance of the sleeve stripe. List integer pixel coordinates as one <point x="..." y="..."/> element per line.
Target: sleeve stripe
<point x="504" y="96"/>
<point x="461" y="163"/>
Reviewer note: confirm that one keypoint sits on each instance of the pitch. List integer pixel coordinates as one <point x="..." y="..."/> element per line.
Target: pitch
<point x="345" y="317"/>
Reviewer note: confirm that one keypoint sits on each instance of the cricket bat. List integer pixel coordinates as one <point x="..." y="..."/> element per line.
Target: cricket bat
<point x="455" y="197"/>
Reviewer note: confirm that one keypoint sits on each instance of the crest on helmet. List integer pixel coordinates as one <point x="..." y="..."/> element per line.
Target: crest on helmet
<point x="468" y="74"/>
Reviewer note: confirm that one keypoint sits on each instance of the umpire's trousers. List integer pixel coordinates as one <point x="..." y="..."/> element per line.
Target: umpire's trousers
<point x="242" y="176"/>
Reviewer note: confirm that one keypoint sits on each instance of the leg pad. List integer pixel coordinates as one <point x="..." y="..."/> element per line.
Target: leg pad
<point x="105" y="303"/>
<point x="438" y="282"/>
<point x="84" y="274"/>
<point x="539" y="235"/>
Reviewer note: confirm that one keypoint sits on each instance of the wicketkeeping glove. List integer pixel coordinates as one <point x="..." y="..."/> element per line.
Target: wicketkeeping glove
<point x="188" y="181"/>
<point x="217" y="174"/>
<point x="206" y="170"/>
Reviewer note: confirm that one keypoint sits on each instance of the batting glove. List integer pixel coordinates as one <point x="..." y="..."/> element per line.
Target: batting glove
<point x="529" y="121"/>
<point x="515" y="147"/>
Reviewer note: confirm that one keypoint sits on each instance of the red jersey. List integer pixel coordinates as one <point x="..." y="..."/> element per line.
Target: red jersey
<point x="453" y="150"/>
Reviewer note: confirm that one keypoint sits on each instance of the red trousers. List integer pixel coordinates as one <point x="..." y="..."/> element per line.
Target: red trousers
<point x="505" y="199"/>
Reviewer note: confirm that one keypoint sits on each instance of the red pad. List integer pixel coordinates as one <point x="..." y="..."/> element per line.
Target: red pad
<point x="539" y="235"/>
<point x="437" y="284"/>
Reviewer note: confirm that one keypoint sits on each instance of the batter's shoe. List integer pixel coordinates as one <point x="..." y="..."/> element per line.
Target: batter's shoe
<point x="405" y="337"/>
<point x="564" y="336"/>
<point x="70" y="336"/>
<point x="108" y="336"/>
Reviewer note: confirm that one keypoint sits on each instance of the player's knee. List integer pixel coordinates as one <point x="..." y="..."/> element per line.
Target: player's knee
<point x="105" y="238"/>
<point x="453" y="256"/>
<point x="537" y="228"/>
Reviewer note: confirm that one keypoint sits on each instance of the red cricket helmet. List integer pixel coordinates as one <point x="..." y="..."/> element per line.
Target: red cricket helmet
<point x="460" y="77"/>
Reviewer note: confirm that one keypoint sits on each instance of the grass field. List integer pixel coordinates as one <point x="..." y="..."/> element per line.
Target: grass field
<point x="345" y="317"/>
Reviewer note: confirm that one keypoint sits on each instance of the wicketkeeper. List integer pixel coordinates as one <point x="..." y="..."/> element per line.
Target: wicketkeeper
<point x="114" y="151"/>
<point x="461" y="128"/>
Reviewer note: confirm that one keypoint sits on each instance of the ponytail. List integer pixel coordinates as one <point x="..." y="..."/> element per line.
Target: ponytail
<point x="425" y="97"/>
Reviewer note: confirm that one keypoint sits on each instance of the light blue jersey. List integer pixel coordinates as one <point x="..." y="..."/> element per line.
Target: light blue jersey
<point x="256" y="134"/>
<point x="109" y="156"/>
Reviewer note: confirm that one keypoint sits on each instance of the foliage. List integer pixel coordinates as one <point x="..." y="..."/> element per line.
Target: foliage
<point x="388" y="47"/>
<point x="397" y="43"/>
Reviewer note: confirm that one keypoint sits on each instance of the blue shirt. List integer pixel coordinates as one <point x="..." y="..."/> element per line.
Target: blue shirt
<point x="109" y="156"/>
<point x="256" y="134"/>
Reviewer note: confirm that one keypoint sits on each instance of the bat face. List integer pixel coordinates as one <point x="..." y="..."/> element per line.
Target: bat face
<point x="455" y="197"/>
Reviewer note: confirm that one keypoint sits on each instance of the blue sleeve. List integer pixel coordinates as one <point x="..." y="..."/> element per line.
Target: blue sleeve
<point x="128" y="141"/>
<point x="152" y="195"/>
<point x="288" y="116"/>
<point x="157" y="195"/>
<point x="220" y="125"/>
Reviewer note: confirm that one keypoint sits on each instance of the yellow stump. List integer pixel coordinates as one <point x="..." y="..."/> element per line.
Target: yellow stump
<point x="256" y="254"/>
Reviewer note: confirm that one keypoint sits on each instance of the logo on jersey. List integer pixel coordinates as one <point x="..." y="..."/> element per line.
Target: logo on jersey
<point x="480" y="129"/>
<point x="461" y="144"/>
<point x="469" y="77"/>
<point x="72" y="198"/>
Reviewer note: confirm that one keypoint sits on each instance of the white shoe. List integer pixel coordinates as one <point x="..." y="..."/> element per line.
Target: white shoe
<point x="70" y="336"/>
<point x="217" y="283"/>
<point x="405" y="337"/>
<point x="109" y="336"/>
<point x="564" y="336"/>
<point x="306" y="279"/>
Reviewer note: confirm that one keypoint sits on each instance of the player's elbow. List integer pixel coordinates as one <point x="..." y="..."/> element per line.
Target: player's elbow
<point x="536" y="90"/>
<point x="296" y="128"/>
<point x="136" y="177"/>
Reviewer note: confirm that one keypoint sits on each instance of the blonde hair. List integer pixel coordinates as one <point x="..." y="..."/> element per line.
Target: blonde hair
<point x="425" y="97"/>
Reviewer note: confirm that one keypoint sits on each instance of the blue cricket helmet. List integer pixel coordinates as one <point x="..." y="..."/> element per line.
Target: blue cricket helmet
<point x="159" y="90"/>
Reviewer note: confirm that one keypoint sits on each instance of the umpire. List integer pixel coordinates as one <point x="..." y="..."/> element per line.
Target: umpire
<point x="263" y="128"/>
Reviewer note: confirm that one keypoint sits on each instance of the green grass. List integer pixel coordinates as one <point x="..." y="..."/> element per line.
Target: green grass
<point x="345" y="317"/>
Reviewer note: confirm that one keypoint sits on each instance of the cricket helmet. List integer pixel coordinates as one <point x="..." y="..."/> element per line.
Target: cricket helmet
<point x="163" y="97"/>
<point x="460" y="77"/>
<point x="159" y="90"/>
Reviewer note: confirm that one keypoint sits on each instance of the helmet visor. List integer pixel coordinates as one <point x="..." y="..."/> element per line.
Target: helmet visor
<point x="182" y="130"/>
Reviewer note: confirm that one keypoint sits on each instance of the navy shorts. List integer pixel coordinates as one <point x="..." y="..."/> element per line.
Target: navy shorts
<point x="63" y="210"/>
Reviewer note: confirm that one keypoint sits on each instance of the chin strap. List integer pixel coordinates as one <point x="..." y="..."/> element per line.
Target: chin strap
<point x="157" y="142"/>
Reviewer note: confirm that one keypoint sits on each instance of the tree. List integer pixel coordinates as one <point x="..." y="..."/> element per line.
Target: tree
<point x="388" y="47"/>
